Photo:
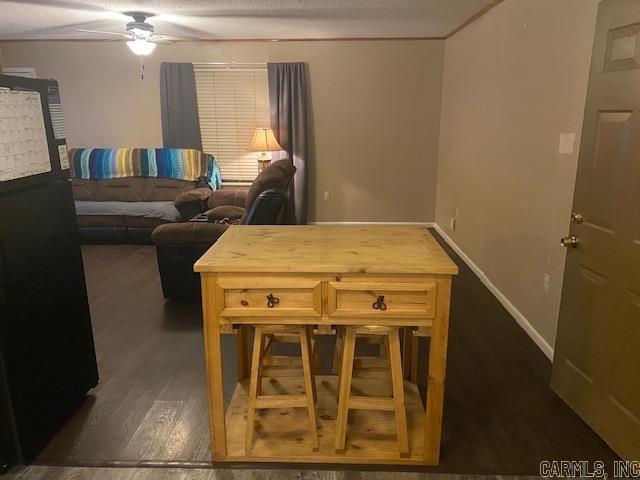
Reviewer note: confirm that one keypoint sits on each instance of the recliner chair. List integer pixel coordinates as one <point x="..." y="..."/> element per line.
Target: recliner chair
<point x="180" y="245"/>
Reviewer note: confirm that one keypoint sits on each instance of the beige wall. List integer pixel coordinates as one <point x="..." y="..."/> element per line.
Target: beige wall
<point x="513" y="81"/>
<point x="375" y="104"/>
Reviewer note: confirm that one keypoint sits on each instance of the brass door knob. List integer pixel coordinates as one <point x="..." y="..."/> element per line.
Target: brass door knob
<point x="576" y="217"/>
<point x="570" y="241"/>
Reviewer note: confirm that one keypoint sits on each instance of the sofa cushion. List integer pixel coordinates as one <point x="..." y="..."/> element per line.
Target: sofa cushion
<point x="228" y="196"/>
<point x="165" y="189"/>
<point x="118" y="221"/>
<point x="120" y="190"/>
<point x="84" y="189"/>
<point x="188" y="233"/>
<point x="231" y="212"/>
<point x="200" y="195"/>
<point x="160" y="210"/>
<point x="131" y="189"/>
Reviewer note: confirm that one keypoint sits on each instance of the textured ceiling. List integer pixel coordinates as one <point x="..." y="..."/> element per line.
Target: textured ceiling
<point x="228" y="19"/>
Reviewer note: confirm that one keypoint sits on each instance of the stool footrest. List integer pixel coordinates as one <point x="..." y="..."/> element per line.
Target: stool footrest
<point x="282" y="372"/>
<point x="281" y="361"/>
<point x="371" y="403"/>
<point x="280" y="401"/>
<point x="370" y="362"/>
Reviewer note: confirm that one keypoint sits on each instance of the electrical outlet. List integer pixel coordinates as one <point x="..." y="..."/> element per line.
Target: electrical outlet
<point x="546" y="283"/>
<point x="453" y="224"/>
<point x="327" y="196"/>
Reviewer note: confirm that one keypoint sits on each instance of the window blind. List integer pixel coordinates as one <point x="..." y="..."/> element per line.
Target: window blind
<point x="232" y="103"/>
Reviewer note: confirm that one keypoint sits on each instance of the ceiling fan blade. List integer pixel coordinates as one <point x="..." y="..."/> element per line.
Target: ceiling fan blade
<point x="174" y="38"/>
<point x="78" y="5"/>
<point x="101" y="32"/>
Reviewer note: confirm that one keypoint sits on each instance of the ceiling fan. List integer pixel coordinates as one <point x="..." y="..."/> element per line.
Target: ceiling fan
<point x="141" y="35"/>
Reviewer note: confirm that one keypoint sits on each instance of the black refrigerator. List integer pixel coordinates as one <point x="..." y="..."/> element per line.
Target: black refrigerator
<point x="47" y="356"/>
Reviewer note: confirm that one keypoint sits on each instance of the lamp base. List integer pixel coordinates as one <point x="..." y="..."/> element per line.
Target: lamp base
<point x="263" y="162"/>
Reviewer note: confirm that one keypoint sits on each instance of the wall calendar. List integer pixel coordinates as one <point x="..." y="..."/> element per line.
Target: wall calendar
<point x="23" y="139"/>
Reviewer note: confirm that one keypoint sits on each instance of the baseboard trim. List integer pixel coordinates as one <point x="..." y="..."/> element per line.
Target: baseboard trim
<point x="515" y="313"/>
<point x="418" y="224"/>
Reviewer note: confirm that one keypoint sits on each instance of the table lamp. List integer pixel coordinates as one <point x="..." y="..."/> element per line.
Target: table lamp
<point x="264" y="141"/>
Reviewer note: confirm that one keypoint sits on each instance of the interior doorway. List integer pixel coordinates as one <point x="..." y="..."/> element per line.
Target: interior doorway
<point x="596" y="360"/>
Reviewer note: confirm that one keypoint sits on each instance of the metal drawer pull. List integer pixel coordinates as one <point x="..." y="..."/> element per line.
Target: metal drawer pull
<point x="272" y="301"/>
<point x="379" y="303"/>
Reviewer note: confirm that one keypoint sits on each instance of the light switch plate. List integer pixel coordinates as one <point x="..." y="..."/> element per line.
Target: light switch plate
<point x="566" y="143"/>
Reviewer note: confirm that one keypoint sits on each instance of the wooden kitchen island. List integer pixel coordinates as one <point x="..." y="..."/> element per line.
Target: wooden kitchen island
<point x="326" y="276"/>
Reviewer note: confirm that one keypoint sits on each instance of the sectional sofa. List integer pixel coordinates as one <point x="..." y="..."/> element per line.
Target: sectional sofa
<point x="122" y="194"/>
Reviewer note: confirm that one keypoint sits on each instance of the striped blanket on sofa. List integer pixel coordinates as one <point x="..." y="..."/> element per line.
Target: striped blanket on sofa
<point x="176" y="163"/>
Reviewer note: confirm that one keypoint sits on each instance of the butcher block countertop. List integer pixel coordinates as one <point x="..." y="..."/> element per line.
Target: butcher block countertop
<point x="323" y="249"/>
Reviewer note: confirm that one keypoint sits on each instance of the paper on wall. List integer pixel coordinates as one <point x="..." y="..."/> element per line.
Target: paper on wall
<point x="23" y="139"/>
<point x="64" y="157"/>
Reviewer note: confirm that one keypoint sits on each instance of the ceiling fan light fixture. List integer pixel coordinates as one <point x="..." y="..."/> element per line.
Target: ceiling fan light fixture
<point x="140" y="33"/>
<point x="141" y="47"/>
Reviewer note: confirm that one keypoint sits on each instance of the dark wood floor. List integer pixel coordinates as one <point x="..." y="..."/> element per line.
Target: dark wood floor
<point x="150" y="406"/>
<point x="149" y="473"/>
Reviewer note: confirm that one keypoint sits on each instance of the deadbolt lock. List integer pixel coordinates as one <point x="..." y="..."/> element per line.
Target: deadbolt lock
<point x="576" y="217"/>
<point x="570" y="241"/>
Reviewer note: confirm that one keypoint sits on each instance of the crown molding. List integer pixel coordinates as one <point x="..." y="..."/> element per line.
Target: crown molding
<point x="231" y="40"/>
<point x="473" y="18"/>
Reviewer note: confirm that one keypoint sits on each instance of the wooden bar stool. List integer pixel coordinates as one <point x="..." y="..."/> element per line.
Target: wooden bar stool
<point x="364" y="366"/>
<point x="285" y="365"/>
<point x="395" y="403"/>
<point x="410" y="352"/>
<point x="257" y="401"/>
<point x="411" y="349"/>
<point x="364" y="362"/>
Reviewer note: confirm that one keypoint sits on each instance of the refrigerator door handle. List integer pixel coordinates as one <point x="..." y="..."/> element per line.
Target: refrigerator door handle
<point x="3" y="291"/>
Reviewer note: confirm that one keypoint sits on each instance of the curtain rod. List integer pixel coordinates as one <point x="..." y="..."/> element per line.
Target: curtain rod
<point x="233" y="64"/>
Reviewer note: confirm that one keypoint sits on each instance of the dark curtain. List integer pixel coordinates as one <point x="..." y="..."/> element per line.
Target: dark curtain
<point x="288" y="104"/>
<point x="179" y="106"/>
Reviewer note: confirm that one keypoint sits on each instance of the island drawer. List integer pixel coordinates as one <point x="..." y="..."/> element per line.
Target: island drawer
<point x="381" y="299"/>
<point x="245" y="296"/>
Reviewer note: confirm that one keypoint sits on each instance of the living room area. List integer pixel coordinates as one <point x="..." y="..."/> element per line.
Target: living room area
<point x="260" y="189"/>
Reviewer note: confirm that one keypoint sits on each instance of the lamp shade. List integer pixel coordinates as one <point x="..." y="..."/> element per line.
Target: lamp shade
<point x="264" y="141"/>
